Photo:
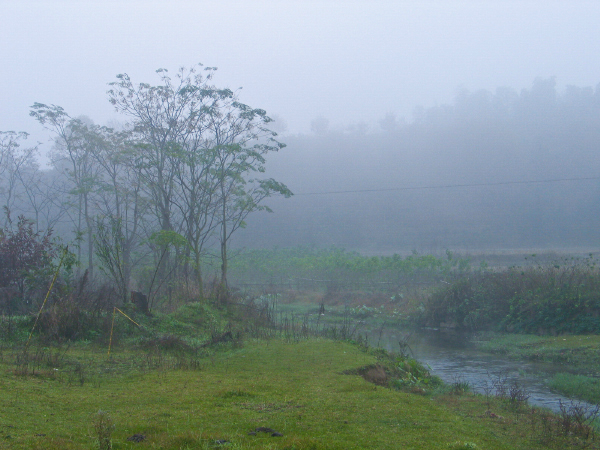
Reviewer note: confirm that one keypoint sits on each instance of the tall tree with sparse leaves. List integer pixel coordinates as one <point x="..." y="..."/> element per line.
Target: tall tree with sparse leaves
<point x="199" y="145"/>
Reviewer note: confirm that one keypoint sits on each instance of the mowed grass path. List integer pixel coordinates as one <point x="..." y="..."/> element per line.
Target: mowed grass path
<point x="297" y="389"/>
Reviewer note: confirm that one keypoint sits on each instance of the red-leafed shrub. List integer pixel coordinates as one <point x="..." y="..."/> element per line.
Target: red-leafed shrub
<point x="26" y="260"/>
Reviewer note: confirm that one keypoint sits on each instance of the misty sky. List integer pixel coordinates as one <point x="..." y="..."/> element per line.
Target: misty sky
<point x="348" y="61"/>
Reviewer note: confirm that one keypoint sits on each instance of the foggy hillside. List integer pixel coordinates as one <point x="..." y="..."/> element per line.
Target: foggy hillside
<point x="501" y="170"/>
<point x="494" y="140"/>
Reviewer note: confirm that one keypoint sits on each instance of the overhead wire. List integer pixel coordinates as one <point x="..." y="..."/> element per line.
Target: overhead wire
<point x="447" y="186"/>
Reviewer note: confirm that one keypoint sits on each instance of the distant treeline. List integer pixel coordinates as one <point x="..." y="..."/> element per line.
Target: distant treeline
<point x="483" y="139"/>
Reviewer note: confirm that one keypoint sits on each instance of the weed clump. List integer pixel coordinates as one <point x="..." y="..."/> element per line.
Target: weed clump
<point x="104" y="427"/>
<point x="397" y="372"/>
<point x="460" y="386"/>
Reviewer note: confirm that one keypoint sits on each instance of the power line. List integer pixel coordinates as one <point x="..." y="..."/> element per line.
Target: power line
<point x="449" y="186"/>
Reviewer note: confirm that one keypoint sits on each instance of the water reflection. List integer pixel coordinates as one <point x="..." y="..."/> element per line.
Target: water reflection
<point x="451" y="357"/>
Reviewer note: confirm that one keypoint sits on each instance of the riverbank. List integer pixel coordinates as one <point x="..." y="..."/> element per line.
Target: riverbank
<point x="577" y="354"/>
<point x="306" y="394"/>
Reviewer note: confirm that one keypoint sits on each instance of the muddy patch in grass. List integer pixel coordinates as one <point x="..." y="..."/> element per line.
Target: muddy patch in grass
<point x="373" y="373"/>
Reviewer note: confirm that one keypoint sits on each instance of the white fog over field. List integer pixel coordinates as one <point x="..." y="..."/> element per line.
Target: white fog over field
<point x="438" y="124"/>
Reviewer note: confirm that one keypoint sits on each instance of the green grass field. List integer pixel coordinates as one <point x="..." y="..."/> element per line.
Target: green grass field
<point x="297" y="389"/>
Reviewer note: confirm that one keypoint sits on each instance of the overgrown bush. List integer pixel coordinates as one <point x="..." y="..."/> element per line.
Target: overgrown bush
<point x="557" y="298"/>
<point x="26" y="264"/>
<point x="62" y="321"/>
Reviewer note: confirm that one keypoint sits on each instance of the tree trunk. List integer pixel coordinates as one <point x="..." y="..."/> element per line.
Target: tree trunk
<point x="223" y="290"/>
<point x="126" y="271"/>
<point x="90" y="239"/>
<point x="198" y="277"/>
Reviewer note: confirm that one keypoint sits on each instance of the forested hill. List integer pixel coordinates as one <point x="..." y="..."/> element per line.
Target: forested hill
<point x="493" y="142"/>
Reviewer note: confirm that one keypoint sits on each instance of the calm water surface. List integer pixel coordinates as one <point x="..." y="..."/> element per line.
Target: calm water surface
<point x="451" y="357"/>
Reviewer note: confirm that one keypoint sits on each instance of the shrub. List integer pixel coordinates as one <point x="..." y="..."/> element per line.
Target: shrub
<point x="551" y="299"/>
<point x="26" y="260"/>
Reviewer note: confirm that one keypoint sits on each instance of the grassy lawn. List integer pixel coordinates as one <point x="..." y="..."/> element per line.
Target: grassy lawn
<point x="297" y="389"/>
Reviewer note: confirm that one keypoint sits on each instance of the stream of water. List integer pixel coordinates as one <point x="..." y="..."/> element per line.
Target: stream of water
<point x="451" y="357"/>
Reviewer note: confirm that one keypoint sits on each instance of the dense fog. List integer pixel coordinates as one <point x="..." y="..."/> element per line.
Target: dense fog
<point x="502" y="154"/>
<point x="521" y="156"/>
<point x="493" y="170"/>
